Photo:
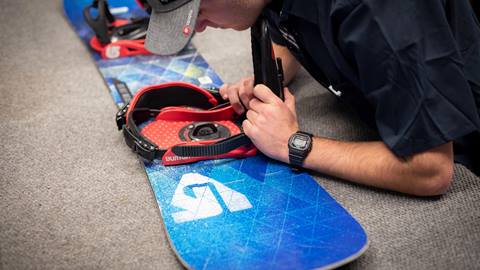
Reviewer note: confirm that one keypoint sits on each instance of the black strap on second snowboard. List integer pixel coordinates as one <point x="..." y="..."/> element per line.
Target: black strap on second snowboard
<point x="99" y="24"/>
<point x="136" y="29"/>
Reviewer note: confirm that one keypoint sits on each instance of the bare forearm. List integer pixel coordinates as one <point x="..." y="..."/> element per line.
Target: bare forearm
<point x="289" y="63"/>
<point x="372" y="163"/>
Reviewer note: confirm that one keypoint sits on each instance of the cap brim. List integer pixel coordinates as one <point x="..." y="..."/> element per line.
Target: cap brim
<point x="168" y="33"/>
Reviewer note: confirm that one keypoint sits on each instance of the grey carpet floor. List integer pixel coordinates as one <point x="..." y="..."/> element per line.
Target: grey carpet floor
<point x="72" y="195"/>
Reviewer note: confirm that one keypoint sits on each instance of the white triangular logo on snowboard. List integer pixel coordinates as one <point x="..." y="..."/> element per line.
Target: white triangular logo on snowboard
<point x="204" y="204"/>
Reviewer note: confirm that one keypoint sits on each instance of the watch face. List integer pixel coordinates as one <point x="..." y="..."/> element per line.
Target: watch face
<point x="300" y="141"/>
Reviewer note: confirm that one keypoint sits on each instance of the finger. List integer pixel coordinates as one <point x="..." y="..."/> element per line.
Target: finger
<point x="252" y="116"/>
<point x="289" y="99"/>
<point x="247" y="127"/>
<point x="264" y="94"/>
<point x="223" y="91"/>
<point x="246" y="92"/>
<point x="234" y="99"/>
<point x="256" y="105"/>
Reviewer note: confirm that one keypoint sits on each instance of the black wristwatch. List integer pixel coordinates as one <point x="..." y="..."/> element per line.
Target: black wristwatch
<point x="299" y="146"/>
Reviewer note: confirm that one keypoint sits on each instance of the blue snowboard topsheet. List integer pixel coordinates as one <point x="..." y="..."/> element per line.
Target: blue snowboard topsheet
<point x="251" y="213"/>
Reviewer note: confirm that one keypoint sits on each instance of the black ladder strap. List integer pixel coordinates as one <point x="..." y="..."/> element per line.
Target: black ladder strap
<point x="100" y="24"/>
<point x="215" y="149"/>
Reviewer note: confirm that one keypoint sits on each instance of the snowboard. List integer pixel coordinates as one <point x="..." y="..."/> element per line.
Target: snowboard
<point x="251" y="213"/>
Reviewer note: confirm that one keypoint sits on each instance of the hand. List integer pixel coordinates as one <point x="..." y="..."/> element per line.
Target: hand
<point x="270" y="122"/>
<point x="238" y="94"/>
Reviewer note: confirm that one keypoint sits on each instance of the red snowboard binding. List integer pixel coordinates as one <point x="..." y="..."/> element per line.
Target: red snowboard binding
<point x="188" y="125"/>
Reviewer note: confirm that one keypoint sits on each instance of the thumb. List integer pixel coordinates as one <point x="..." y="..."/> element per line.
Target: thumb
<point x="289" y="100"/>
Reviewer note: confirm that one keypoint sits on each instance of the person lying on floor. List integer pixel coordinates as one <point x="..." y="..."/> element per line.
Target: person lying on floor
<point x="411" y="69"/>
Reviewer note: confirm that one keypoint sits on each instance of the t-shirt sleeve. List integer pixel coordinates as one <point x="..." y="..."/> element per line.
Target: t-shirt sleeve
<point x="409" y="69"/>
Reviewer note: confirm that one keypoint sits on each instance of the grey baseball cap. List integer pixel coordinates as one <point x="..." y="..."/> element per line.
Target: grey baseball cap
<point x="171" y="26"/>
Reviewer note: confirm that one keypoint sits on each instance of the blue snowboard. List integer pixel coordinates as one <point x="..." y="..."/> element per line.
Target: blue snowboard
<point x="251" y="213"/>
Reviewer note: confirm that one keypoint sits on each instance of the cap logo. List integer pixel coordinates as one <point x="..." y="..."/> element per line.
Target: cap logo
<point x="187" y="29"/>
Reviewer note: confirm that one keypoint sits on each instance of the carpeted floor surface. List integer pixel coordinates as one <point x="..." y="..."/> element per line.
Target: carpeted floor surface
<point x="72" y="195"/>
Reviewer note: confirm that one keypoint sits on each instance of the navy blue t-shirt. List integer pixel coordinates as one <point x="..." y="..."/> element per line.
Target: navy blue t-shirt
<point x="410" y="68"/>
